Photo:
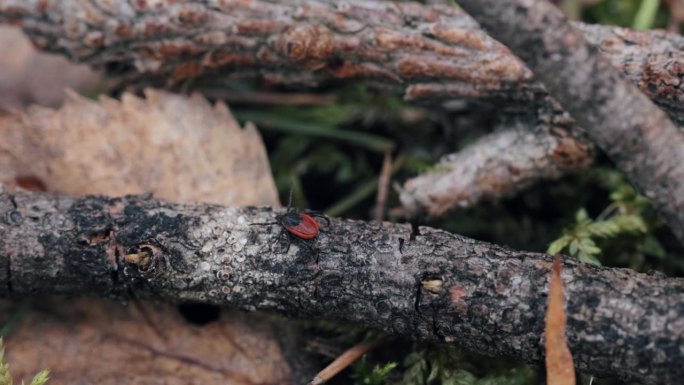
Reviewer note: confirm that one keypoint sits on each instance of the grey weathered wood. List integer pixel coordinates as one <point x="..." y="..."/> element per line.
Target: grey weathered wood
<point x="426" y="284"/>
<point x="496" y="166"/>
<point x="619" y="118"/>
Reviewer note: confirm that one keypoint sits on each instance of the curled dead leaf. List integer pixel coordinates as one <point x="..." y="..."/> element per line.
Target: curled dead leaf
<point x="176" y="147"/>
<point x="559" y="365"/>
<point x="91" y="341"/>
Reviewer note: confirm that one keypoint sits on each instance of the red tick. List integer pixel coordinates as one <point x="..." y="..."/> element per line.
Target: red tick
<point x="300" y="224"/>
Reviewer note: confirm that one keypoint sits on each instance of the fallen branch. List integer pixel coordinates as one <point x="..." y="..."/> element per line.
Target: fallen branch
<point x="636" y="134"/>
<point x="501" y="164"/>
<point x="427" y="285"/>
<point x="496" y="166"/>
<point x="424" y="51"/>
<point x="432" y="52"/>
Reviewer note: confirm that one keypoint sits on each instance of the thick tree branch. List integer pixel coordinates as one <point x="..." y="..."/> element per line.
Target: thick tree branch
<point x="424" y="51"/>
<point x="428" y="285"/>
<point x="636" y="134"/>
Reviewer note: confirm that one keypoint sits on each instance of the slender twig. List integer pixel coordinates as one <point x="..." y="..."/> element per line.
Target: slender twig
<point x="344" y="360"/>
<point x="383" y="186"/>
<point x="496" y="166"/>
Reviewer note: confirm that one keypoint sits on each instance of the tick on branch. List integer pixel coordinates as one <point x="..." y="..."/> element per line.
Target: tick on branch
<point x="299" y="224"/>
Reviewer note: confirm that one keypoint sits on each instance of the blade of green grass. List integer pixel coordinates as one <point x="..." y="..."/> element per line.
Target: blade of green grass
<point x="15" y="318"/>
<point x="646" y="14"/>
<point x="572" y="9"/>
<point x="365" y="190"/>
<point x="267" y="121"/>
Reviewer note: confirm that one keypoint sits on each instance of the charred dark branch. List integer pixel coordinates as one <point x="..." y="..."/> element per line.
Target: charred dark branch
<point x="430" y="285"/>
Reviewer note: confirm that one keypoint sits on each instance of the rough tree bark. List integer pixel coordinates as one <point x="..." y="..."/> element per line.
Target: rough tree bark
<point x="425" y="284"/>
<point x="425" y="51"/>
<point x="496" y="166"/>
<point x="636" y="134"/>
<point x="432" y="52"/>
<point x="501" y="164"/>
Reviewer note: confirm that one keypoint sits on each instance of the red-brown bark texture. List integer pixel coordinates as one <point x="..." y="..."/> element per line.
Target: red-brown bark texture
<point x="425" y="51"/>
<point x="425" y="284"/>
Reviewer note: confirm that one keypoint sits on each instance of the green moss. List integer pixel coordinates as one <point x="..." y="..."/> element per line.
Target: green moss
<point x="6" y="378"/>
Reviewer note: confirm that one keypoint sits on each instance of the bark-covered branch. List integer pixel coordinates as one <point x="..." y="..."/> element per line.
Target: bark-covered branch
<point x="424" y="51"/>
<point x="526" y="147"/>
<point x="426" y="284"/>
<point x="636" y="134"/>
<point x="496" y="166"/>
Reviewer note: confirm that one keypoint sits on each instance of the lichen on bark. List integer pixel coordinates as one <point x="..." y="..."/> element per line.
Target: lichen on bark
<point x="426" y="284"/>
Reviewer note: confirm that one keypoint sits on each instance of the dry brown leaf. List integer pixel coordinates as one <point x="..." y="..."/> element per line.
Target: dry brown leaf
<point x="100" y="342"/>
<point x="176" y="147"/>
<point x="559" y="366"/>
<point x="31" y="77"/>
